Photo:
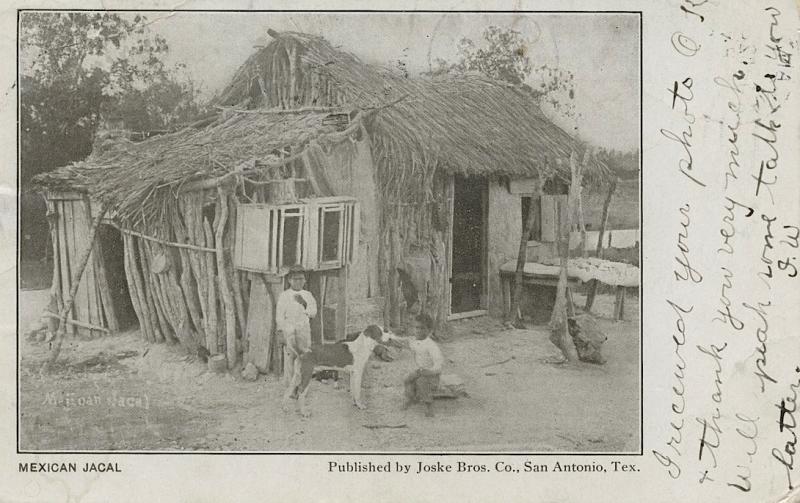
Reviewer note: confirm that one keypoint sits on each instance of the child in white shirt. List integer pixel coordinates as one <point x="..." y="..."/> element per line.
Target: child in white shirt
<point x="294" y="309"/>
<point x="423" y="382"/>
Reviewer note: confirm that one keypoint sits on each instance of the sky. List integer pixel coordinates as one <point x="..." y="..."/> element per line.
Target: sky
<point x="602" y="50"/>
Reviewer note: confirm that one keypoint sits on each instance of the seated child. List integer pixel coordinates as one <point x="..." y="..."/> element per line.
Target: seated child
<point x="420" y="384"/>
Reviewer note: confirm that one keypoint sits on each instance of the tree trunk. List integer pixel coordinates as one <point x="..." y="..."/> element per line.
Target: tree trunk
<point x="69" y="301"/>
<point x="153" y="293"/>
<point x="599" y="250"/>
<point x="134" y="288"/>
<point x="559" y="325"/>
<point x="188" y="285"/>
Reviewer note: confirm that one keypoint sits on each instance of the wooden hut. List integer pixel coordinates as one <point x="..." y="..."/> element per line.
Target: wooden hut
<point x="363" y="176"/>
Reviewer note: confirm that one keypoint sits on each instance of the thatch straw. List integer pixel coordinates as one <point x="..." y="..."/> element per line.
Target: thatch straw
<point x="470" y="125"/>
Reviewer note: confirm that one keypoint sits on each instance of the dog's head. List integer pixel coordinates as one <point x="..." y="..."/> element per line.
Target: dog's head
<point x="378" y="334"/>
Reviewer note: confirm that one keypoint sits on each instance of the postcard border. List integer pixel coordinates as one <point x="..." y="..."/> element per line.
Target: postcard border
<point x="357" y="453"/>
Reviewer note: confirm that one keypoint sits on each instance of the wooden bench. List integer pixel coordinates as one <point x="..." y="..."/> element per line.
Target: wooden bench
<point x="507" y="279"/>
<point x="536" y="274"/>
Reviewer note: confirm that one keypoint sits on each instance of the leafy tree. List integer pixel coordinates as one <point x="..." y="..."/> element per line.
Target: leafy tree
<point x="161" y="105"/>
<point x="502" y="54"/>
<point x="80" y="67"/>
<point x="77" y="68"/>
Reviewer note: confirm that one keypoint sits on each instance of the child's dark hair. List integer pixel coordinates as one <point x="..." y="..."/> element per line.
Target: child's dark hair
<point x="425" y="320"/>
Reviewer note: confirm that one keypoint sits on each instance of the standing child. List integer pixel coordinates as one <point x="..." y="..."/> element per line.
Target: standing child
<point x="294" y="309"/>
<point x="421" y="384"/>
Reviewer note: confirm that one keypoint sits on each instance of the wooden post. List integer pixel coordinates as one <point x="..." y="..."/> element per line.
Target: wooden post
<point x="140" y="274"/>
<point x="194" y="231"/>
<point x="233" y="274"/>
<point x="260" y="321"/>
<point x="619" y="303"/>
<point x="341" y="304"/>
<point x="316" y="285"/>
<point x="522" y="257"/>
<point x="599" y="250"/>
<point x="134" y="287"/>
<point x="224" y="286"/>
<point x="173" y="290"/>
<point x="323" y="288"/>
<point x="581" y="223"/>
<point x="68" y="302"/>
<point x="153" y="292"/>
<point x="506" y="284"/>
<point x="578" y="194"/>
<point x="438" y="297"/>
<point x="558" y="321"/>
<point x="275" y="287"/>
<point x="55" y="286"/>
<point x="187" y="284"/>
<point x="211" y="289"/>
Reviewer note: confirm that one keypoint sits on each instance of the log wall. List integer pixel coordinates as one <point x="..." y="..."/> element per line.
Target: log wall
<point x="180" y="277"/>
<point x="414" y="236"/>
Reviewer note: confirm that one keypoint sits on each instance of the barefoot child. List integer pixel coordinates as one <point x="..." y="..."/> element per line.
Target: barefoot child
<point x="420" y="384"/>
<point x="294" y="308"/>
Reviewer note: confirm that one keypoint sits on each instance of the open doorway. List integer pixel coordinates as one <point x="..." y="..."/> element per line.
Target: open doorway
<point x="114" y="261"/>
<point x="468" y="268"/>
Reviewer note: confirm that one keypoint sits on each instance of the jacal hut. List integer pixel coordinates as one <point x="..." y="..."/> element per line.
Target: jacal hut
<point x="394" y="192"/>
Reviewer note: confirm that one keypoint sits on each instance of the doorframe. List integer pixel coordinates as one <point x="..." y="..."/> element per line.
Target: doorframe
<point x="484" y="298"/>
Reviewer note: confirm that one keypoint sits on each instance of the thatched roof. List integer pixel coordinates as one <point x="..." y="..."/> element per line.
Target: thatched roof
<point x="465" y="124"/>
<point x="120" y="172"/>
<point x="472" y="124"/>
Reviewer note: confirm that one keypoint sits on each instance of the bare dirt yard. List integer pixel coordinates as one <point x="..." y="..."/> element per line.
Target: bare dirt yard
<point x="119" y="393"/>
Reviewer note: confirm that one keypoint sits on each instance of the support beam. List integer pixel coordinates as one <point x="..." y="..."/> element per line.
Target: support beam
<point x="77" y="323"/>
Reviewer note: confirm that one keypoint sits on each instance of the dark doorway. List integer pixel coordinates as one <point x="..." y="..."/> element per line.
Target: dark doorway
<point x="468" y="273"/>
<point x="114" y="261"/>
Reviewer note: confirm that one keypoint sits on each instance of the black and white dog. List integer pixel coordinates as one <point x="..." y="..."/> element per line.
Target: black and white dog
<point x="351" y="356"/>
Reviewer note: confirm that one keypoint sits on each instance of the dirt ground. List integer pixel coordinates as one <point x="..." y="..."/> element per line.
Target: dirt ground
<point x="119" y="393"/>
